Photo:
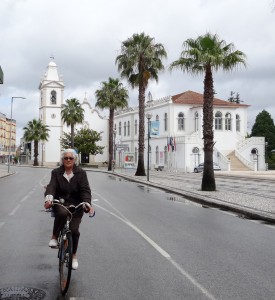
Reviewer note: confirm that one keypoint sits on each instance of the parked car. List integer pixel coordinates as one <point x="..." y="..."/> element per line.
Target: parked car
<point x="199" y="168"/>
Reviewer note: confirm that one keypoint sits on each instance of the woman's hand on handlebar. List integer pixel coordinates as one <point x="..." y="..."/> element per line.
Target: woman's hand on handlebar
<point x="89" y="209"/>
<point x="48" y="204"/>
<point x="48" y="201"/>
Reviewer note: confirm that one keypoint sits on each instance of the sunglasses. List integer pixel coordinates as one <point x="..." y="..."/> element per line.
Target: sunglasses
<point x="68" y="158"/>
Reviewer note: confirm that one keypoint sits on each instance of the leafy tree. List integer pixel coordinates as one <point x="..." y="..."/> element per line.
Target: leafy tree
<point x="35" y="131"/>
<point x="140" y="60"/>
<point x="112" y="96"/>
<point x="72" y="113"/>
<point x="203" y="56"/>
<point x="233" y="98"/>
<point x="85" y="141"/>
<point x="264" y="126"/>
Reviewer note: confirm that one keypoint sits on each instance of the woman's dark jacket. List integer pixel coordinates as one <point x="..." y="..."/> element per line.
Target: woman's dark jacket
<point x="73" y="192"/>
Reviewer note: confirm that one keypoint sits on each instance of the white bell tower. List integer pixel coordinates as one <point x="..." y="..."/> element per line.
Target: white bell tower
<point x="51" y="99"/>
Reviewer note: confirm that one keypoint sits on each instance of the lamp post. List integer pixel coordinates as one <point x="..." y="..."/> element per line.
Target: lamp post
<point x="148" y="116"/>
<point x="9" y="157"/>
<point x="114" y="146"/>
<point x="266" y="156"/>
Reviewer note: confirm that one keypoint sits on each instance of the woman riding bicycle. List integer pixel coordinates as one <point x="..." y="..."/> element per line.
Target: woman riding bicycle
<point x="68" y="182"/>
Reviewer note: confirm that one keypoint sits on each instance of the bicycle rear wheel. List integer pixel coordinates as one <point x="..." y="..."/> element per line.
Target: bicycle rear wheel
<point x="65" y="262"/>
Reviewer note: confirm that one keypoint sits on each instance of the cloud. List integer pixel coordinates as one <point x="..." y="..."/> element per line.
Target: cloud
<point x="85" y="37"/>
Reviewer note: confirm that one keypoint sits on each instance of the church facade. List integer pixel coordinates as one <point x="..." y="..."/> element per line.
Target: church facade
<point x="178" y="144"/>
<point x="51" y="101"/>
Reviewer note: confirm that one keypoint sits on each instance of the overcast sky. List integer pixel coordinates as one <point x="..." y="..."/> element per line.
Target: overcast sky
<point x="85" y="37"/>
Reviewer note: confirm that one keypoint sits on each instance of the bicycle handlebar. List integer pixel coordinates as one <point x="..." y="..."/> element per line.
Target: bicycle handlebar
<point x="75" y="208"/>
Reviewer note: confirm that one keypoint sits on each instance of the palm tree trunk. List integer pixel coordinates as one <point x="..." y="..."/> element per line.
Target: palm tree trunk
<point x="208" y="178"/>
<point x="111" y="139"/>
<point x="35" y="162"/>
<point x="72" y="136"/>
<point x="141" y="131"/>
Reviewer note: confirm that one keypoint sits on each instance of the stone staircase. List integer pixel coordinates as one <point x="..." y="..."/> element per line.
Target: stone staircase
<point x="236" y="164"/>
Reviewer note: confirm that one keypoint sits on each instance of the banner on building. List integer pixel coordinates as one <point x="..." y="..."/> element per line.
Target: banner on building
<point x="154" y="130"/>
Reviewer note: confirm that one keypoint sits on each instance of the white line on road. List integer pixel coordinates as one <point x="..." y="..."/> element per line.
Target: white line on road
<point x="162" y="252"/>
<point x="15" y="209"/>
<point x="25" y="198"/>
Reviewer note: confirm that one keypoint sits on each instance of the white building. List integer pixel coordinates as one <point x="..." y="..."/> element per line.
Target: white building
<point x="180" y="124"/>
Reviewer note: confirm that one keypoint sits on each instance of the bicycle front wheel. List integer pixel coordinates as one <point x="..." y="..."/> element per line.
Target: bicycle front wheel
<point x="65" y="262"/>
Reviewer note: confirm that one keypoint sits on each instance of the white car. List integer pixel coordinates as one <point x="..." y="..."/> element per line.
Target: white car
<point x="199" y="168"/>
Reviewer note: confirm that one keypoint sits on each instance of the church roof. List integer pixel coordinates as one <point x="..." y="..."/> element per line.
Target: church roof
<point x="193" y="98"/>
<point x="52" y="72"/>
<point x="51" y="76"/>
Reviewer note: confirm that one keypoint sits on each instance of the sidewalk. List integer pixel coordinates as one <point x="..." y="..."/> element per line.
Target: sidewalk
<point x="259" y="206"/>
<point x="3" y="173"/>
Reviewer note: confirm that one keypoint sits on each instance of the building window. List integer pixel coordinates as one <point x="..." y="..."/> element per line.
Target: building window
<point x="165" y="122"/>
<point x="238" y="123"/>
<point x="128" y="128"/>
<point x="180" y="121"/>
<point x="53" y="97"/>
<point x="136" y="127"/>
<point x="119" y="128"/>
<point x="115" y="127"/>
<point x="195" y="150"/>
<point x="125" y="128"/>
<point x="196" y="155"/>
<point x="157" y="117"/>
<point x="196" y="121"/>
<point x="227" y="121"/>
<point x="218" y="120"/>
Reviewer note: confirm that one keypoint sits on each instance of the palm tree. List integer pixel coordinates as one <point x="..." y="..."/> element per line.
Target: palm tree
<point x="139" y="61"/>
<point x="72" y="114"/>
<point x="112" y="95"/>
<point x="36" y="131"/>
<point x="203" y="56"/>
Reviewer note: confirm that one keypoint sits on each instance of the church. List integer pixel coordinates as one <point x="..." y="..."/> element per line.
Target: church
<point x="178" y="144"/>
<point x="51" y="101"/>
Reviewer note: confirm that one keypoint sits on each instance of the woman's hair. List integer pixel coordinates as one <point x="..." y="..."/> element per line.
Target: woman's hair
<point x="69" y="151"/>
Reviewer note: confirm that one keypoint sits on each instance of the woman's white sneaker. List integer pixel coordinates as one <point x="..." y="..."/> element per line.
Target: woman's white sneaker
<point x="75" y="264"/>
<point x="53" y="243"/>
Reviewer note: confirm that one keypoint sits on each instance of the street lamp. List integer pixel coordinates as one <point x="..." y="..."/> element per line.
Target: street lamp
<point x="9" y="158"/>
<point x="148" y="116"/>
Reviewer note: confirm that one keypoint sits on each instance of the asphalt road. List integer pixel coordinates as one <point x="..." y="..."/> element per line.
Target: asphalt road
<point x="142" y="244"/>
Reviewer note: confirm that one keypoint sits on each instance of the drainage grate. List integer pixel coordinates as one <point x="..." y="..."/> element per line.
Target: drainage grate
<point x="21" y="293"/>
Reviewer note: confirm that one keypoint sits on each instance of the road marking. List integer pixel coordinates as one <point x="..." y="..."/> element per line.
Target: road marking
<point x="162" y="252"/>
<point x="25" y="198"/>
<point x="15" y="209"/>
<point x="2" y="224"/>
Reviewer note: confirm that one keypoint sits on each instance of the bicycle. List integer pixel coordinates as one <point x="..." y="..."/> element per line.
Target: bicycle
<point x="65" y="246"/>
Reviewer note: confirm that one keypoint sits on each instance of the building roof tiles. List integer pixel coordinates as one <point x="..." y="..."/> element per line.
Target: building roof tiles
<point x="193" y="98"/>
